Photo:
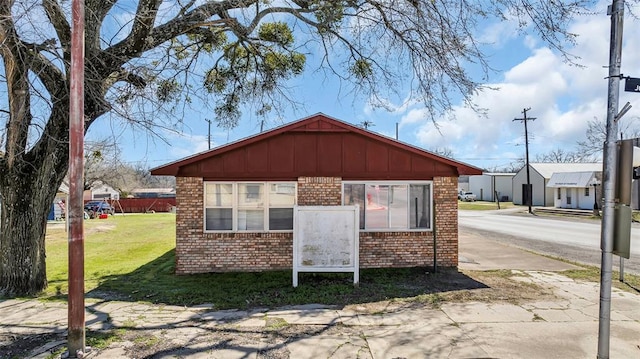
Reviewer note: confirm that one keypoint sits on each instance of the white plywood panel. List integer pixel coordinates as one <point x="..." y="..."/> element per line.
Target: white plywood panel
<point x="325" y="239"/>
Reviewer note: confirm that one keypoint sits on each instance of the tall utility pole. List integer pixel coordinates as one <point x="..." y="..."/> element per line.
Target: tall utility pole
<point x="529" y="194"/>
<point x="76" y="320"/>
<point x="209" y="136"/>
<point x="610" y="167"/>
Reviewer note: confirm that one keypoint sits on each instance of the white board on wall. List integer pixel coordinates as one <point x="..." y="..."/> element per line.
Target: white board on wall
<point x="326" y="239"/>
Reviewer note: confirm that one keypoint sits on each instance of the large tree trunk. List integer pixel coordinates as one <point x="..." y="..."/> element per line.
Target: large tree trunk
<point x="22" y="231"/>
<point x="27" y="191"/>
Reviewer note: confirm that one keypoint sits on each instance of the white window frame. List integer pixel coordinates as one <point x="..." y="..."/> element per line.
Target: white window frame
<point x="235" y="206"/>
<point x="395" y="183"/>
<point x="205" y="207"/>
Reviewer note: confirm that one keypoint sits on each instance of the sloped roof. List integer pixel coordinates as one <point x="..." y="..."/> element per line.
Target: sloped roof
<point x="546" y="170"/>
<point x="571" y="179"/>
<point x="499" y="174"/>
<point x="290" y="140"/>
<point x="64" y="188"/>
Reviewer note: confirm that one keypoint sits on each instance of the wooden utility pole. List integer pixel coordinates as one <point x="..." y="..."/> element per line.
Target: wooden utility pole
<point x="76" y="320"/>
<point x="529" y="192"/>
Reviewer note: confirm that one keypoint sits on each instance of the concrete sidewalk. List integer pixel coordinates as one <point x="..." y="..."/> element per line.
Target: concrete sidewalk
<point x="564" y="327"/>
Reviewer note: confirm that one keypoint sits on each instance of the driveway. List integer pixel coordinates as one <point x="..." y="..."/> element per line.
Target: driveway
<point x="476" y="252"/>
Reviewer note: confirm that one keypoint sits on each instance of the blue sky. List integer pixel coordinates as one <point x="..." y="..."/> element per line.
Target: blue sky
<point x="562" y="98"/>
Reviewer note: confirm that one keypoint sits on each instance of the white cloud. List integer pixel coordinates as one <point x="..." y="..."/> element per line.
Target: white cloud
<point x="499" y="33"/>
<point x="414" y="116"/>
<point x="535" y="67"/>
<point x="562" y="97"/>
<point x="391" y="108"/>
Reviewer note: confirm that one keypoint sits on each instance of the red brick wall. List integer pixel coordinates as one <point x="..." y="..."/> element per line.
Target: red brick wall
<point x="189" y="224"/>
<point x="198" y="252"/>
<point x="319" y="191"/>
<point x="445" y="200"/>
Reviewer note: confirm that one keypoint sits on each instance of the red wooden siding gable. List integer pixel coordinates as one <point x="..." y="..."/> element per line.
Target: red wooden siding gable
<point x="319" y="125"/>
<point x="316" y="146"/>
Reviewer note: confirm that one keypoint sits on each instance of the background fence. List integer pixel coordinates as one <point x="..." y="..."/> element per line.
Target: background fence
<point x="144" y="205"/>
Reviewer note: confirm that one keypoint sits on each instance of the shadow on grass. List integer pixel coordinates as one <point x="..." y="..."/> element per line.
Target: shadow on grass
<point x="156" y="282"/>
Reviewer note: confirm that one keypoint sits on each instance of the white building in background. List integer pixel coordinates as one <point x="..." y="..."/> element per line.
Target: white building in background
<point x="577" y="190"/>
<point x="540" y="174"/>
<point x="463" y="183"/>
<point x="100" y="191"/>
<point x="486" y="185"/>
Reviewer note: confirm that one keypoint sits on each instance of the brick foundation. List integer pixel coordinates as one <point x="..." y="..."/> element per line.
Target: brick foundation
<point x="199" y="252"/>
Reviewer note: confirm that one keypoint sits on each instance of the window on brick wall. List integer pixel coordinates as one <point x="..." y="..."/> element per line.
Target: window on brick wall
<point x="218" y="206"/>
<point x="282" y="198"/>
<point x="390" y="206"/>
<point x="252" y="206"/>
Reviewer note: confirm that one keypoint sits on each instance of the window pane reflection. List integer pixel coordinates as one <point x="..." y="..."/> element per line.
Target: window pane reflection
<point x="420" y="206"/>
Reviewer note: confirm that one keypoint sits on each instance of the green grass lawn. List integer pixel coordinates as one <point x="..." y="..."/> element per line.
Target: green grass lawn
<point x="116" y="246"/>
<point x="132" y="257"/>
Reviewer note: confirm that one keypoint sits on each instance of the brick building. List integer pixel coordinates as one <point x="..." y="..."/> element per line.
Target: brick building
<point x="235" y="202"/>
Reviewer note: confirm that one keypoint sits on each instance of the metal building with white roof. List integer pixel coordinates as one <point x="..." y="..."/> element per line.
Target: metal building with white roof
<point x="540" y="175"/>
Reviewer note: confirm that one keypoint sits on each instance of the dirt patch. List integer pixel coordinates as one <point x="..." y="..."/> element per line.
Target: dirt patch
<point x="488" y="287"/>
<point x="100" y="228"/>
<point x="154" y="344"/>
<point x="21" y="346"/>
<point x="500" y="287"/>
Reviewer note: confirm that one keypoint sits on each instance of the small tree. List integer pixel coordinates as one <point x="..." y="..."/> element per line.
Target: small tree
<point x="596" y="134"/>
<point x="443" y="151"/>
<point x="560" y="155"/>
<point x="147" y="56"/>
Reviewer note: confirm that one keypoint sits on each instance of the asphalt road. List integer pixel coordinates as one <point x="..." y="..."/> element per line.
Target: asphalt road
<point x="573" y="239"/>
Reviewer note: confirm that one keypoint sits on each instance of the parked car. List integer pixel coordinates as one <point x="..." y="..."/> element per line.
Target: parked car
<point x="466" y="196"/>
<point x="97" y="207"/>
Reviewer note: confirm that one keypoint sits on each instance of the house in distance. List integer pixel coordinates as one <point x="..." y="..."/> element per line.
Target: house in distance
<point x="235" y="203"/>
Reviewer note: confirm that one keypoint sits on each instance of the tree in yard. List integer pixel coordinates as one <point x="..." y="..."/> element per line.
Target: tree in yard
<point x="101" y="163"/>
<point x="596" y="134"/>
<point x="148" y="56"/>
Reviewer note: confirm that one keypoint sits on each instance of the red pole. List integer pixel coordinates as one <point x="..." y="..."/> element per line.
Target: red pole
<point x="76" y="336"/>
